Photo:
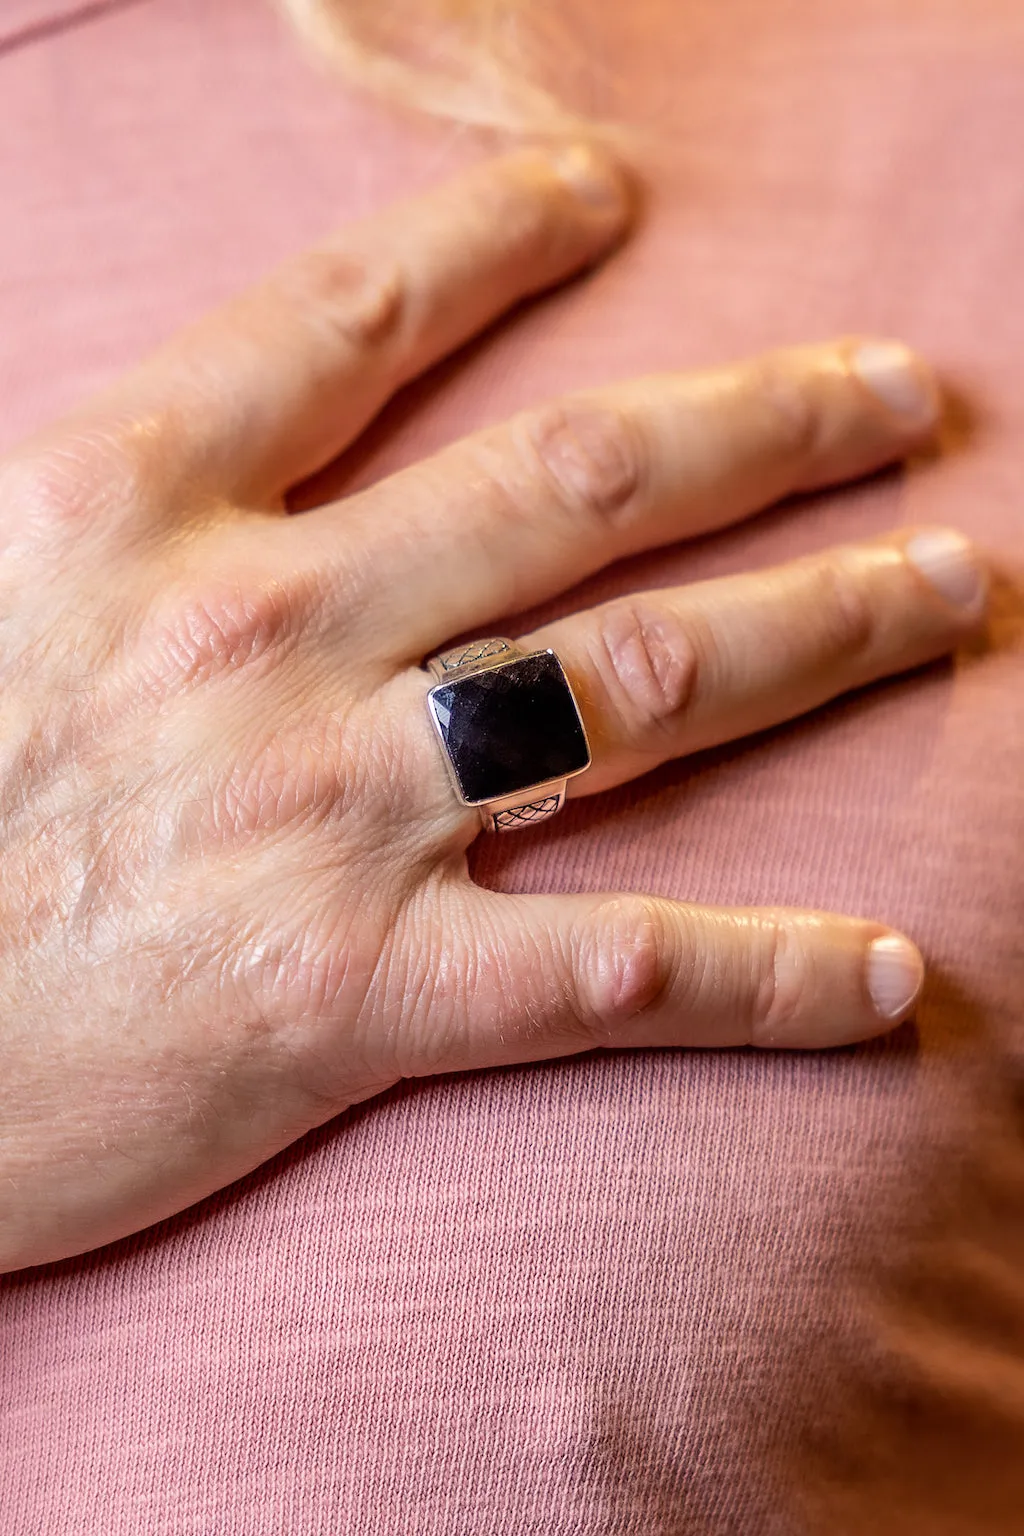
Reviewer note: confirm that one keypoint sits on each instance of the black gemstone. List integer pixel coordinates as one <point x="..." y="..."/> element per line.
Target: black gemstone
<point x="510" y="727"/>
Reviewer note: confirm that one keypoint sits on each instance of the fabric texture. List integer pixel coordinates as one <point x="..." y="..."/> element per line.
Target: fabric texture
<point x="655" y="1291"/>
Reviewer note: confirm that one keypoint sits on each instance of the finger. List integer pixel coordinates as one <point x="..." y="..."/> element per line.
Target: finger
<point x="271" y="387"/>
<point x="663" y="673"/>
<point x="512" y="515"/>
<point x="529" y="978"/>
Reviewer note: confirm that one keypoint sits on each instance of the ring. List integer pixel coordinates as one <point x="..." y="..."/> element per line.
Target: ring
<point x="510" y="730"/>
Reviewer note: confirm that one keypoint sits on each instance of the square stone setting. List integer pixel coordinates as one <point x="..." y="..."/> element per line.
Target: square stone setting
<point x="510" y="727"/>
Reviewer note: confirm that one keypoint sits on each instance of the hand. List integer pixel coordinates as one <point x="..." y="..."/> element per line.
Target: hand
<point x="235" y="897"/>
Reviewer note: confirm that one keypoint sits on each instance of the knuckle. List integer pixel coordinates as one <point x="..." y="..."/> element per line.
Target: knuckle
<point x="779" y="981"/>
<point x="97" y="475"/>
<point x="838" y="604"/>
<point x="360" y="299"/>
<point x="67" y="484"/>
<point x="591" y="454"/>
<point x="36" y="490"/>
<point x="646" y="661"/>
<point x="791" y="400"/>
<point x="622" y="968"/>
<point x="220" y="628"/>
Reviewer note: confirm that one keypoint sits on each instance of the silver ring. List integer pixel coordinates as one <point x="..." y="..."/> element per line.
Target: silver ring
<point x="510" y="730"/>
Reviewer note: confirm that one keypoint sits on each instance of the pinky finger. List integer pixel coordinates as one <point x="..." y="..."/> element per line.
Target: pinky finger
<point x="551" y="976"/>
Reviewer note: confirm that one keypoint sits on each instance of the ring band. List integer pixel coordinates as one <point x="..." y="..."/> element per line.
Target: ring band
<point x="510" y="730"/>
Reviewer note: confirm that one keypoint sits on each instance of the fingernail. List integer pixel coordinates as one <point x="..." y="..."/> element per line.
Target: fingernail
<point x="899" y="379"/>
<point x="895" y="975"/>
<point x="948" y="562"/>
<point x="594" y="177"/>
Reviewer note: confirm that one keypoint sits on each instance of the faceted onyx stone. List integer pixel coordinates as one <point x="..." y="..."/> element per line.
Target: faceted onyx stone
<point x="510" y="727"/>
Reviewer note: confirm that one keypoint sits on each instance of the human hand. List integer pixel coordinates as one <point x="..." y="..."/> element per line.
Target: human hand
<point x="235" y="895"/>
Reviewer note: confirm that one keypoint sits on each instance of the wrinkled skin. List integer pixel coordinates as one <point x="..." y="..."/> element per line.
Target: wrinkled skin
<point x="235" y="897"/>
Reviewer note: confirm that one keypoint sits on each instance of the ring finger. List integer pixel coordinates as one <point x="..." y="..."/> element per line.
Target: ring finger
<point x="664" y="673"/>
<point x="661" y="674"/>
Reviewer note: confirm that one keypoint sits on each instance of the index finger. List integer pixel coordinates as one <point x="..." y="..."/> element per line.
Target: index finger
<point x="268" y="389"/>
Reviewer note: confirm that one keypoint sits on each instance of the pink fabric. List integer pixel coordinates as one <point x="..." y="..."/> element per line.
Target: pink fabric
<point x="22" y="18"/>
<point x="653" y="1291"/>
